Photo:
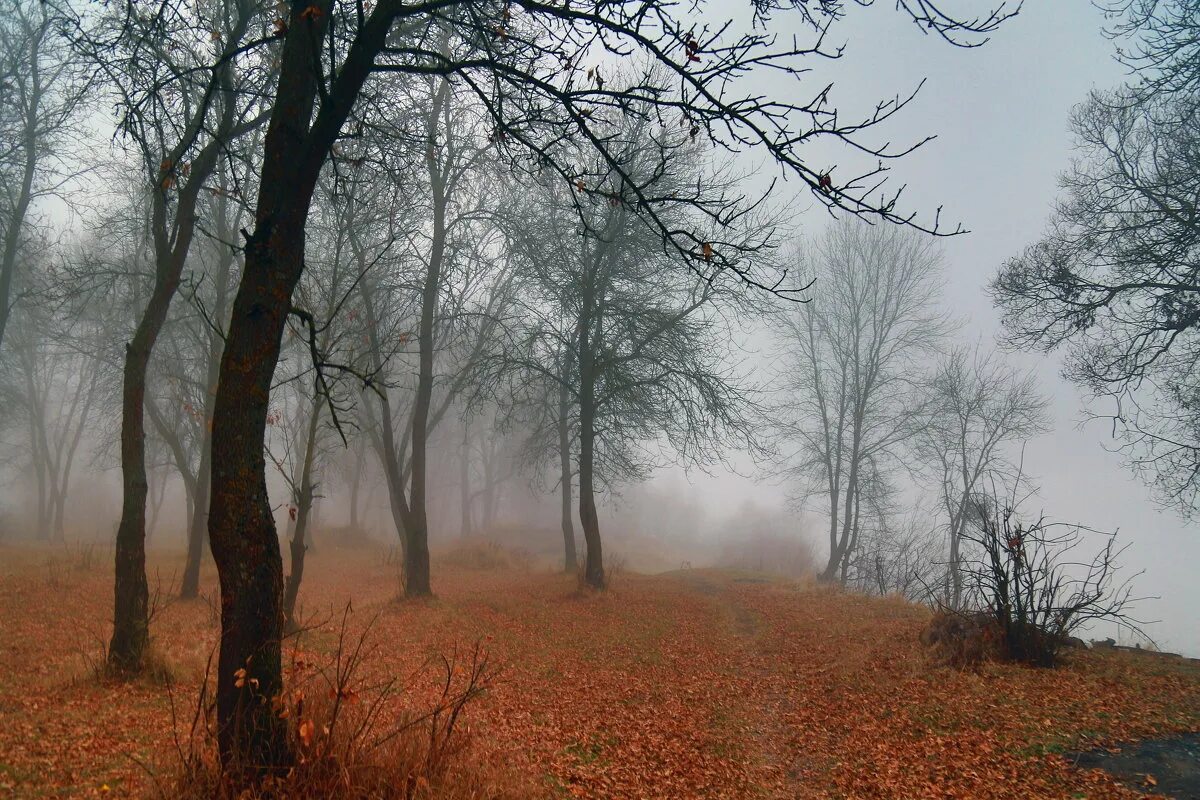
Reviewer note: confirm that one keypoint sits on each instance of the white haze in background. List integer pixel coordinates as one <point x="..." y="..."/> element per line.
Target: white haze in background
<point x="1000" y="114"/>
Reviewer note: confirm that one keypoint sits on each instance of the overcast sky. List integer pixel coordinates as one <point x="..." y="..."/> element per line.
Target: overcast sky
<point x="1000" y="114"/>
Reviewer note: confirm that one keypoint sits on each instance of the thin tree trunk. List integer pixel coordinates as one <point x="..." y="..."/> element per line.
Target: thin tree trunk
<point x="190" y="587"/>
<point x="464" y="482"/>
<point x="571" y="560"/>
<point x="356" y="484"/>
<point x="416" y="562"/>
<point x="304" y="504"/>
<point x="588" y="518"/>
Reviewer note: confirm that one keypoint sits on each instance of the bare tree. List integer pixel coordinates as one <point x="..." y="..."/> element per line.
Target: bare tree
<point x="183" y="99"/>
<point x="184" y="376"/>
<point x="1031" y="580"/>
<point x="52" y="385"/>
<point x="41" y="87"/>
<point x="634" y="341"/>
<point x="526" y="62"/>
<point x="1116" y="280"/>
<point x="979" y="409"/>
<point x="851" y="357"/>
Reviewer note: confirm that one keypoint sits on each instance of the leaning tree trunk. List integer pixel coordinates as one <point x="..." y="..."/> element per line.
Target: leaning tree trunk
<point x="131" y="624"/>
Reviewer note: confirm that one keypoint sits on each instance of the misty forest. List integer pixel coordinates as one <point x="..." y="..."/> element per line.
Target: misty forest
<point x="599" y="398"/>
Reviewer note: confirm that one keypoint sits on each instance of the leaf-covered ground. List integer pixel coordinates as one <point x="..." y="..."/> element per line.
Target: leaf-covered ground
<point x="689" y="684"/>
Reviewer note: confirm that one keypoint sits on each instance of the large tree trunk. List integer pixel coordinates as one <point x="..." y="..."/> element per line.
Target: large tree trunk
<point x="251" y="737"/>
<point x="241" y="528"/>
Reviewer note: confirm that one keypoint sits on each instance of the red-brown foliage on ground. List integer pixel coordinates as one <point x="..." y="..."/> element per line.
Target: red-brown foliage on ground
<point x="692" y="684"/>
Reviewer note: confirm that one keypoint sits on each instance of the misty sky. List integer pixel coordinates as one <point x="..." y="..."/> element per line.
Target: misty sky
<point x="1000" y="114"/>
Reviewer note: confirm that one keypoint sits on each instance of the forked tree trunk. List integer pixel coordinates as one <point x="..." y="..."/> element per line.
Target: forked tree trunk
<point x="252" y="739"/>
<point x="172" y="241"/>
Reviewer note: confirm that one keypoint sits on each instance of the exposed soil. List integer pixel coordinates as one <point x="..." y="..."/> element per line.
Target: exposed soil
<point x="1169" y="766"/>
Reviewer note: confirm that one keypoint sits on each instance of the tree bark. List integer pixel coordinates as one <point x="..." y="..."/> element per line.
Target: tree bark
<point x="251" y="737"/>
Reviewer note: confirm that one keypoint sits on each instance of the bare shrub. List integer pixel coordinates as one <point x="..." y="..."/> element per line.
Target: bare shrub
<point x="1030" y="579"/>
<point x="1033" y="582"/>
<point x="960" y="639"/>
<point x="347" y="737"/>
<point x="485" y="554"/>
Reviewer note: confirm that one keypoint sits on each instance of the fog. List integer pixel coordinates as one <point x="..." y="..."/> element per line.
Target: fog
<point x="667" y="499"/>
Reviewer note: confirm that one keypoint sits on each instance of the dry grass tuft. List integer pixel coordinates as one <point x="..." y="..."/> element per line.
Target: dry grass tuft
<point x="351" y="736"/>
